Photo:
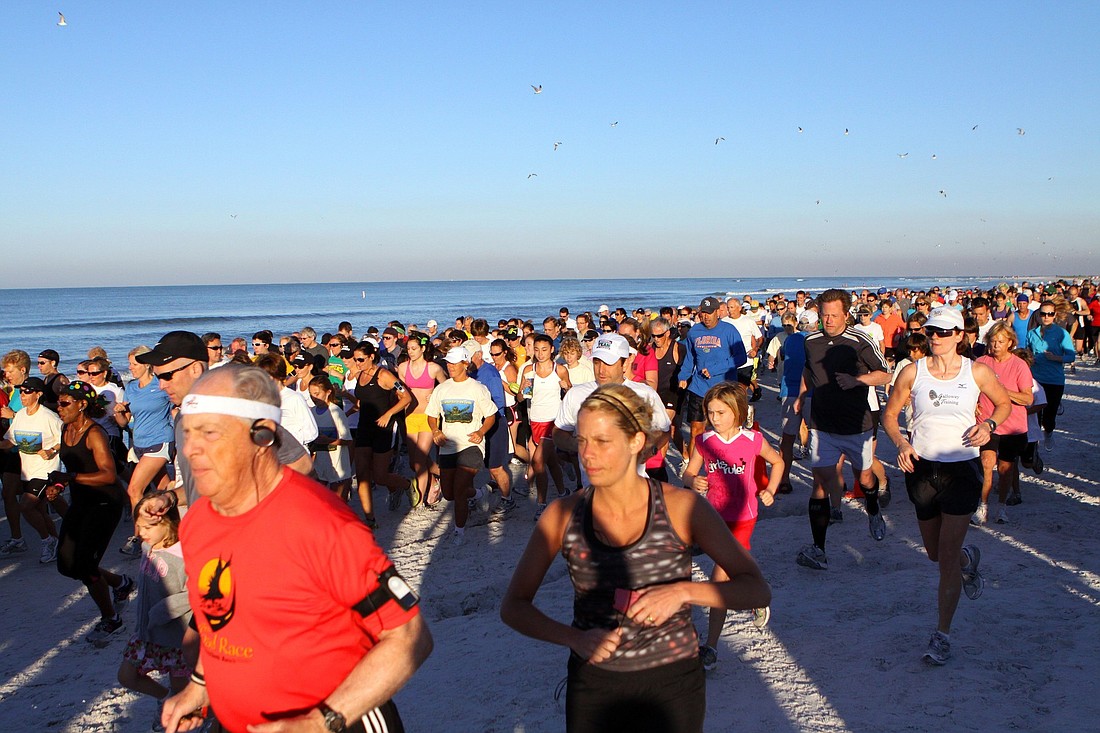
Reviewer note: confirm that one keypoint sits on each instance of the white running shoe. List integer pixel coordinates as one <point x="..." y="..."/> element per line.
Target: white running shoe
<point x="13" y="547"/>
<point x="939" y="649"/>
<point x="761" y="616"/>
<point x="813" y="557"/>
<point x="49" y="550"/>
<point x="973" y="582"/>
<point x="980" y="515"/>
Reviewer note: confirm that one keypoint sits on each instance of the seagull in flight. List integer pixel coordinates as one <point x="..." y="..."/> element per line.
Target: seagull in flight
<point x="975" y="127"/>
<point x="904" y="155"/>
<point x="845" y="130"/>
<point x="1020" y="131"/>
<point x="538" y="89"/>
<point x="233" y="216"/>
<point x="943" y="193"/>
<point x="718" y="140"/>
<point x="532" y="175"/>
<point x="933" y="156"/>
<point x="556" y="145"/>
<point x="614" y="124"/>
<point x="61" y="22"/>
<point x="800" y="130"/>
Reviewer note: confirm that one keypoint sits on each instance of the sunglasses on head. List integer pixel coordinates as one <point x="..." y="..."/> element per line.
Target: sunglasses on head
<point x="167" y="376"/>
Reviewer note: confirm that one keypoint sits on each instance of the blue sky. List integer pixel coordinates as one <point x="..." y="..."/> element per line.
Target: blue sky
<point x="358" y="141"/>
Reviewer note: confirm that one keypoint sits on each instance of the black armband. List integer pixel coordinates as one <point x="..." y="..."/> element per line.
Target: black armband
<point x="391" y="587"/>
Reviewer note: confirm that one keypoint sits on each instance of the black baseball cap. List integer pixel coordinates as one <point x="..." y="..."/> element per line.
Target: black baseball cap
<point x="33" y="384"/>
<point x="708" y="305"/>
<point x="175" y="345"/>
<point x="51" y="355"/>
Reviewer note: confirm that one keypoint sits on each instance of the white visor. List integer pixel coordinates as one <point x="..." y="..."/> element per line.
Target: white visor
<point x="204" y="404"/>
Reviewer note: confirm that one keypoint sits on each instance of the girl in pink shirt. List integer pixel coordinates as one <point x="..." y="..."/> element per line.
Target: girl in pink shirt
<point x="723" y="468"/>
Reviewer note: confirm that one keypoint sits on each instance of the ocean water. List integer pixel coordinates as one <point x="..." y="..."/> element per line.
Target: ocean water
<point x="71" y="320"/>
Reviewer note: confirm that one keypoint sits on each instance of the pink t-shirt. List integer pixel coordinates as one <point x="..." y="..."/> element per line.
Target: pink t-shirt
<point x="730" y="470"/>
<point x="1014" y="374"/>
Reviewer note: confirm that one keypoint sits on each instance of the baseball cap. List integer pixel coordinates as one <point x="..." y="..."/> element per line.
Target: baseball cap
<point x="33" y="384"/>
<point x="432" y="322"/>
<point x="603" y="309"/>
<point x="300" y="360"/>
<point x="952" y="295"/>
<point x="511" y="333"/>
<point x="945" y="318"/>
<point x="50" y="354"/>
<point x="457" y="355"/>
<point x="590" y="335"/>
<point x="472" y="347"/>
<point x="174" y="345"/>
<point x="708" y="305"/>
<point x="610" y="347"/>
<point x="1022" y="297"/>
<point x="808" y="317"/>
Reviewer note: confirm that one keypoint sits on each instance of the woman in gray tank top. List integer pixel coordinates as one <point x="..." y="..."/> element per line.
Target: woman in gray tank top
<point x="634" y="662"/>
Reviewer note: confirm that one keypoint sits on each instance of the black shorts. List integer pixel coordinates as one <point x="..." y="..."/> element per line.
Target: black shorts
<point x="369" y="435"/>
<point x="937" y="488"/>
<point x="1008" y="447"/>
<point x="744" y="374"/>
<point x="693" y="408"/>
<point x="466" y="458"/>
<point x="496" y="445"/>
<point x="85" y="533"/>
<point x="35" y="486"/>
<point x="667" y="698"/>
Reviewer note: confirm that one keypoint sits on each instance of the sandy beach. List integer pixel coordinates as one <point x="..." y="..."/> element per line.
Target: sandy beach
<point x="842" y="652"/>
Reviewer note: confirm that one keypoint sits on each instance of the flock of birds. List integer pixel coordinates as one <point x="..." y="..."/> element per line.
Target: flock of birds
<point x="538" y="90"/>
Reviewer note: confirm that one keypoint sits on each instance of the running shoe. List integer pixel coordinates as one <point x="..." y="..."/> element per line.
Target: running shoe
<point x="756" y="394"/>
<point x="414" y="494"/>
<point x="121" y="595"/>
<point x="877" y="526"/>
<point x="761" y="616"/>
<point x="564" y="493"/>
<point x="973" y="582"/>
<point x="370" y="521"/>
<point x="1002" y="515"/>
<point x="393" y="500"/>
<point x="939" y="649"/>
<point x="885" y="496"/>
<point x="479" y="494"/>
<point x="1048" y="442"/>
<point x="435" y="494"/>
<point x="539" y="510"/>
<point x="458" y="537"/>
<point x="502" y="510"/>
<point x="813" y="557"/>
<point x="13" y="547"/>
<point x="980" y="514"/>
<point x="49" y="550"/>
<point x="708" y="655"/>
<point x="1014" y="499"/>
<point x="522" y="490"/>
<point x="835" y="515"/>
<point x="106" y="629"/>
<point x="1037" y="464"/>
<point x="131" y="547"/>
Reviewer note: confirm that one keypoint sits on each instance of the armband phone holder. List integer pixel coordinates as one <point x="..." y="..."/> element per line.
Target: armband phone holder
<point x="391" y="587"/>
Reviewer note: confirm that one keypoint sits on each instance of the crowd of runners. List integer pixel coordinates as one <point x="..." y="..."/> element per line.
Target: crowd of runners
<point x="967" y="385"/>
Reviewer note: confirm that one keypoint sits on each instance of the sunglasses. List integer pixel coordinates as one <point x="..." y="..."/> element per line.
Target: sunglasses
<point x="167" y="376"/>
<point x="28" y="390"/>
<point x="64" y="403"/>
<point x="360" y="359"/>
<point x="90" y="374"/>
<point x="335" y="345"/>
<point x="214" y="348"/>
<point x="1047" y="314"/>
<point x="42" y="362"/>
<point x="660" y="335"/>
<point x="388" y="338"/>
<point x="258" y="343"/>
<point x="496" y="353"/>
<point x="939" y="332"/>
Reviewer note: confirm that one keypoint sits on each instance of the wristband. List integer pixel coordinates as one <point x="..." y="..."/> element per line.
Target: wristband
<point x="198" y="679"/>
<point x="991" y="423"/>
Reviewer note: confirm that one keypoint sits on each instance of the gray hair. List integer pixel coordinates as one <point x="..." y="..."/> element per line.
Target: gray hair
<point x="308" y="332"/>
<point x="247" y="382"/>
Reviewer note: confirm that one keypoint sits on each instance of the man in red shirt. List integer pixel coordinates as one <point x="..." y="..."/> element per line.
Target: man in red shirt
<point x="303" y="621"/>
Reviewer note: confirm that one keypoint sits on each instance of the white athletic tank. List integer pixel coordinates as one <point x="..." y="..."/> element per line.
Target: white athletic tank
<point x="943" y="409"/>
<point x="545" y="396"/>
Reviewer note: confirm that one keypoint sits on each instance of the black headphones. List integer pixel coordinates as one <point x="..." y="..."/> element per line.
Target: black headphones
<point x="262" y="436"/>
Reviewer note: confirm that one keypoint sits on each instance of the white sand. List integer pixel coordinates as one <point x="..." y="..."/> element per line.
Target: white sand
<point x="843" y="651"/>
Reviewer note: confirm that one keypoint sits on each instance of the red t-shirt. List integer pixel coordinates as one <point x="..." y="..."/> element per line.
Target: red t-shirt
<point x="272" y="591"/>
<point x="643" y="363"/>
<point x="892" y="328"/>
<point x="1094" y="308"/>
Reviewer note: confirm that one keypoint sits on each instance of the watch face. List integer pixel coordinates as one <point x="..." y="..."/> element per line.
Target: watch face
<point x="334" y="721"/>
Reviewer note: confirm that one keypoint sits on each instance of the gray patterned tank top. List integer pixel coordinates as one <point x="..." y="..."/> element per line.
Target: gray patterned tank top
<point x="603" y="578"/>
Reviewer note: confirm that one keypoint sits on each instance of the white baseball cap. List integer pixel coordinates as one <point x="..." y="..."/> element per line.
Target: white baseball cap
<point x="610" y="347"/>
<point x="945" y="318"/>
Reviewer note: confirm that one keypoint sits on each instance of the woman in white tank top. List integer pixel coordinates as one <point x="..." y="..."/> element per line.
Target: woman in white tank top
<point x="942" y="472"/>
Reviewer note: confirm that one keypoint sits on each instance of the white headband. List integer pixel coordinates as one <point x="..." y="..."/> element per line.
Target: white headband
<point x="202" y="404"/>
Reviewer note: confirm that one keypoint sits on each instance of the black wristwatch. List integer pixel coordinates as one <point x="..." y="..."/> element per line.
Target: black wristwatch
<point x="334" y="721"/>
<point x="991" y="423"/>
